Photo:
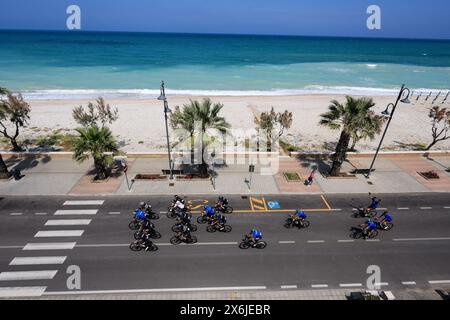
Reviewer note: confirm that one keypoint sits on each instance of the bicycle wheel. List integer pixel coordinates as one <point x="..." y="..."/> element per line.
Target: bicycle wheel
<point x="154" y="216"/>
<point x="288" y="225"/>
<point x="175" y="240"/>
<point x="202" y="220"/>
<point x="261" y="245"/>
<point x="356" y="234"/>
<point x="210" y="229"/>
<point x="155" y="235"/>
<point x="137" y="235"/>
<point x="135" y="246"/>
<point x="229" y="210"/>
<point x="133" y="225"/>
<point x="192" y="239"/>
<point x="171" y="215"/>
<point x="226" y="229"/>
<point x="389" y="226"/>
<point x="306" y="224"/>
<point x="373" y="234"/>
<point x="176" y="228"/>
<point x="193" y="227"/>
<point x="244" y="245"/>
<point x="153" y="248"/>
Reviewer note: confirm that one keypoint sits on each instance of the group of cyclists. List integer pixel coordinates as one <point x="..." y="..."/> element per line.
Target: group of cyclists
<point x="216" y="220"/>
<point x="369" y="229"/>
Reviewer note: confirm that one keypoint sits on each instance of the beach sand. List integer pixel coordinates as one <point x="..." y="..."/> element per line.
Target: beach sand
<point x="141" y="127"/>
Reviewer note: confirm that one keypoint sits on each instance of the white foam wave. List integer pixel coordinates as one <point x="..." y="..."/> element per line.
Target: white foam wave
<point x="81" y="94"/>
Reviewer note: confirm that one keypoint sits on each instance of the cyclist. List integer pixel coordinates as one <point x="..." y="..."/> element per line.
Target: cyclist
<point x="373" y="205"/>
<point x="369" y="227"/>
<point x="299" y="216"/>
<point x="384" y="218"/>
<point x="185" y="232"/>
<point x="219" y="220"/>
<point x="222" y="203"/>
<point x="140" y="215"/>
<point x="147" y="240"/>
<point x="209" y="211"/>
<point x="254" y="236"/>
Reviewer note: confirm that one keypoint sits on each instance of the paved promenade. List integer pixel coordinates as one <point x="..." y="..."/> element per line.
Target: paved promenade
<point x="55" y="175"/>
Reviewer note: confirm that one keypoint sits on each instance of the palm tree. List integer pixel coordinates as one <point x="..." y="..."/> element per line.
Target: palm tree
<point x="352" y="119"/>
<point x="204" y="112"/>
<point x="95" y="142"/>
<point x="4" y="173"/>
<point x="371" y="126"/>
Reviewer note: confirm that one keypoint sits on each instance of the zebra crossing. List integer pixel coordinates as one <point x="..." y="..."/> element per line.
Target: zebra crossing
<point x="71" y="215"/>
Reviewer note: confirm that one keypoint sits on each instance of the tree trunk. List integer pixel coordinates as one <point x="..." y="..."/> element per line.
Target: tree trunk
<point x="4" y="173"/>
<point x="16" y="146"/>
<point x="431" y="145"/>
<point x="340" y="154"/>
<point x="100" y="169"/>
<point x="353" y="144"/>
<point x="204" y="165"/>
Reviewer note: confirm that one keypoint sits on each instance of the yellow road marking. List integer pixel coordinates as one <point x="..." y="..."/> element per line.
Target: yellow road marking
<point x="258" y="204"/>
<point x="274" y="211"/>
<point x="326" y="203"/>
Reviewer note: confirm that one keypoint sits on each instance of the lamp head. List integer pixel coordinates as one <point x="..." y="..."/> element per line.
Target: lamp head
<point x="406" y="92"/>
<point x="162" y="96"/>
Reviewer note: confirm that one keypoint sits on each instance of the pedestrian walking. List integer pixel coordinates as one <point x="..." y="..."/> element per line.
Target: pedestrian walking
<point x="310" y="179"/>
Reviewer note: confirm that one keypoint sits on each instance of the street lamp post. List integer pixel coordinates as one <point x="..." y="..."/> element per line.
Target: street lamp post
<point x="162" y="97"/>
<point x="403" y="97"/>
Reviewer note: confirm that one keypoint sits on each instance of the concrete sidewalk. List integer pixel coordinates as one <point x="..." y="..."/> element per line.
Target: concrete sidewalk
<point x="48" y="175"/>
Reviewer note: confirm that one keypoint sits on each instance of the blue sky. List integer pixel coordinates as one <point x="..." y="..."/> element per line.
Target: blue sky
<point x="400" y="18"/>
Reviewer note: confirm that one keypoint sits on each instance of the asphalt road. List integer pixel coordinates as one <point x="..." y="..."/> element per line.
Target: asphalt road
<point x="416" y="253"/>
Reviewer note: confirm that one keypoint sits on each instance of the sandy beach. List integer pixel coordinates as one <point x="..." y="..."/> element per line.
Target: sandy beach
<point x="141" y="127"/>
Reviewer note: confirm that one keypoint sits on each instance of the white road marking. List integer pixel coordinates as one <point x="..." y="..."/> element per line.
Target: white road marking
<point x="11" y="247"/>
<point x="372" y="240"/>
<point x="317" y="286"/>
<point x="350" y="285"/>
<point x="114" y="213"/>
<point x="343" y="241"/>
<point x="381" y="284"/>
<point x="289" y="287"/>
<point x="446" y="207"/>
<point x="157" y="290"/>
<point x="316" y="241"/>
<point x="421" y="239"/>
<point x="28" y="275"/>
<point x="75" y="212"/>
<point x="214" y="243"/>
<point x="16" y="214"/>
<point x="286" y="242"/>
<point x="335" y="209"/>
<point x="439" y="282"/>
<point x="75" y="222"/>
<point x="50" y="246"/>
<point x="84" y="203"/>
<point x="24" y="261"/>
<point x="402" y="208"/>
<point x="110" y="245"/>
<point x="20" y="292"/>
<point x="426" y="208"/>
<point x="409" y="283"/>
<point x="59" y="233"/>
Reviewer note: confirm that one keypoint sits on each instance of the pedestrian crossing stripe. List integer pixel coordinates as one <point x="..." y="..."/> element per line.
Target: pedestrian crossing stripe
<point x="258" y="204"/>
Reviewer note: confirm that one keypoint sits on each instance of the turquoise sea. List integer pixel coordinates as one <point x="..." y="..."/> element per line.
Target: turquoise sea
<point x="82" y="64"/>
